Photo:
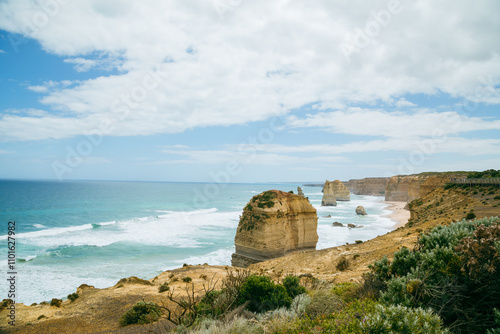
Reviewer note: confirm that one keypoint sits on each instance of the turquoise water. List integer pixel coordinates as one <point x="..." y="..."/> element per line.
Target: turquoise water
<point x="97" y="232"/>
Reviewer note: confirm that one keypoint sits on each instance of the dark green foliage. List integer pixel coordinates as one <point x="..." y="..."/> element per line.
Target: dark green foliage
<point x="486" y="174"/>
<point x="187" y="279"/>
<point x="73" y="296"/>
<point x="470" y="215"/>
<point x="497" y="321"/>
<point x="343" y="264"/>
<point x="164" y="287"/>
<point x="455" y="270"/>
<point x="497" y="198"/>
<point x="141" y="313"/>
<point x="262" y="294"/>
<point x="292" y="286"/>
<point x="265" y="199"/>
<point x="56" y="302"/>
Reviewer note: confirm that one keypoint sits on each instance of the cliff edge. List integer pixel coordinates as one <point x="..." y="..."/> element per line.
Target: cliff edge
<point x="274" y="223"/>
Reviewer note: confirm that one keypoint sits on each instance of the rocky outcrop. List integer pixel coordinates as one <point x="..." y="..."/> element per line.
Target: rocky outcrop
<point x="328" y="195"/>
<point x="410" y="187"/>
<point x="273" y="224"/>
<point x="373" y="186"/>
<point x="340" y="191"/>
<point x="337" y="224"/>
<point x="335" y="191"/>
<point x="360" y="210"/>
<point x="299" y="191"/>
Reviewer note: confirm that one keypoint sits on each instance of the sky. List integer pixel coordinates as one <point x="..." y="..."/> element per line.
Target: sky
<point x="247" y="91"/>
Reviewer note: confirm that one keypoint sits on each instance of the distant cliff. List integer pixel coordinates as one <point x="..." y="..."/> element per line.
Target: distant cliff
<point x="374" y="186"/>
<point x="274" y="223"/>
<point x="410" y="187"/>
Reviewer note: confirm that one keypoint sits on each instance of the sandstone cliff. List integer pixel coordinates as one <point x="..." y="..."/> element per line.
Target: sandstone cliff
<point x="273" y="224"/>
<point x="410" y="187"/>
<point x="374" y="186"/>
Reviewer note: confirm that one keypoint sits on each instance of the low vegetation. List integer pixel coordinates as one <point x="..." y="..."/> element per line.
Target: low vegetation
<point x="447" y="284"/>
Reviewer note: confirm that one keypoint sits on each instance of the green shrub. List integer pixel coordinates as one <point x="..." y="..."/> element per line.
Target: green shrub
<point x="141" y="313"/>
<point x="164" y="287"/>
<point x="187" y="279"/>
<point x="400" y="319"/>
<point x="323" y="302"/>
<point x="343" y="264"/>
<point x="262" y="294"/>
<point x="73" y="296"/>
<point x="56" y="302"/>
<point x="452" y="270"/>
<point x="497" y="320"/>
<point x="292" y="286"/>
<point x="471" y="215"/>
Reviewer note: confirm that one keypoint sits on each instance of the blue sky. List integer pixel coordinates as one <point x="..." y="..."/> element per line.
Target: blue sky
<point x="240" y="91"/>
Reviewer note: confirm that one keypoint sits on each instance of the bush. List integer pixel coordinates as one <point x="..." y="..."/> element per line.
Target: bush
<point x="452" y="270"/>
<point x="470" y="215"/>
<point x="141" y="313"/>
<point x="292" y="286"/>
<point x="73" y="296"/>
<point x="187" y="279"/>
<point x="56" y="302"/>
<point x="343" y="264"/>
<point x="323" y="302"/>
<point x="262" y="294"/>
<point x="164" y="287"/>
<point x="400" y="319"/>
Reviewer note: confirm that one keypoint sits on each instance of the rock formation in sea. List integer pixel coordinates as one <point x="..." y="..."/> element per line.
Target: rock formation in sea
<point x="373" y="186"/>
<point x="337" y="224"/>
<point x="340" y="191"/>
<point x="360" y="210"/>
<point x="334" y="191"/>
<point x="299" y="191"/>
<point x="274" y="223"/>
<point x="328" y="195"/>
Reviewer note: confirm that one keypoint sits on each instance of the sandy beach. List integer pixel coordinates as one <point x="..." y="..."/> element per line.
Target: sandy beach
<point x="399" y="214"/>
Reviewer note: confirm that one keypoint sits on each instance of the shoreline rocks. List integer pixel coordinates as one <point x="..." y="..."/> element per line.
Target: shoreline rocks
<point x="360" y="210"/>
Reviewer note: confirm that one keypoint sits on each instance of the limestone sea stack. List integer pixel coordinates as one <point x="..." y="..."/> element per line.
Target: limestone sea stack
<point x="273" y="224"/>
<point x="299" y="191"/>
<point x="335" y="191"/>
<point x="340" y="191"/>
<point x="328" y="195"/>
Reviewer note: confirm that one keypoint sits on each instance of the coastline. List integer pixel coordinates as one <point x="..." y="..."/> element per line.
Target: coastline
<point x="399" y="214"/>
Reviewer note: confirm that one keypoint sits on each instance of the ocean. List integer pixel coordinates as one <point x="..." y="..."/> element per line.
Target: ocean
<point x="97" y="232"/>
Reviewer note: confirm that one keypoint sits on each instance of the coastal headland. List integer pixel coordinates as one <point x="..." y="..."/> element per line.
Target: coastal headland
<point x="99" y="310"/>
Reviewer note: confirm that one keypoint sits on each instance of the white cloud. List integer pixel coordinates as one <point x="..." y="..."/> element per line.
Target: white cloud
<point x="81" y="64"/>
<point x="2" y="51"/>
<point x="260" y="59"/>
<point x="376" y="122"/>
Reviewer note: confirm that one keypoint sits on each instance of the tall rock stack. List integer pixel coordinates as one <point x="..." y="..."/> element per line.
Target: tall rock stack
<point x="274" y="223"/>
<point x="328" y="195"/>
<point x="340" y="191"/>
<point x="299" y="191"/>
<point x="335" y="191"/>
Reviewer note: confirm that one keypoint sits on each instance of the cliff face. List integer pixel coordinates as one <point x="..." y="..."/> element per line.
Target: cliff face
<point x="374" y="186"/>
<point x="273" y="224"/>
<point x="336" y="190"/>
<point x="410" y="187"/>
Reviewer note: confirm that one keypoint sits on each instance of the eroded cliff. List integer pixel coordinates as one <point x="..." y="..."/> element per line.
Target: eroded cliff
<point x="373" y="186"/>
<point x="274" y="223"/>
<point x="410" y="187"/>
